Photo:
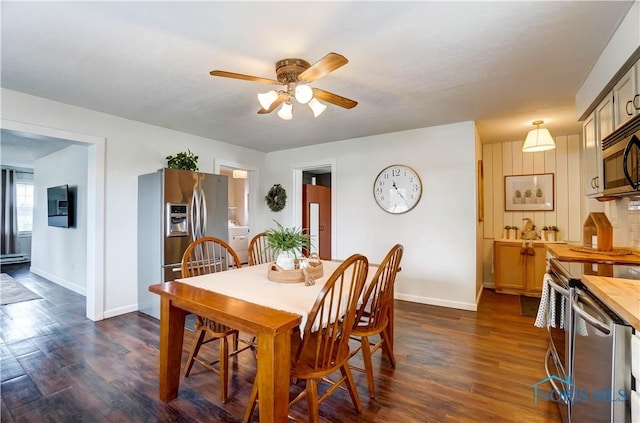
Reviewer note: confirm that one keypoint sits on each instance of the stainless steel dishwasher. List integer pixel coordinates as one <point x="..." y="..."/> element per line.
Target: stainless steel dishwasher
<point x="601" y="364"/>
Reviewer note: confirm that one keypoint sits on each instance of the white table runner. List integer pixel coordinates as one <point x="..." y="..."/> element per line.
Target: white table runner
<point x="251" y="284"/>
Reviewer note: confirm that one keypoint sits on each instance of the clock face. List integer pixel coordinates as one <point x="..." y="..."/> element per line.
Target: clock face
<point x="397" y="189"/>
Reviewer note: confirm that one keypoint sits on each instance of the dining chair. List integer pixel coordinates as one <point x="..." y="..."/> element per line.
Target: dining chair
<point x="203" y="256"/>
<point x="323" y="346"/>
<point x="259" y="251"/>
<point x="374" y="316"/>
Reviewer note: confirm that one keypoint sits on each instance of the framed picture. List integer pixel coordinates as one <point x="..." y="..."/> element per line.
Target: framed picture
<point x="529" y="192"/>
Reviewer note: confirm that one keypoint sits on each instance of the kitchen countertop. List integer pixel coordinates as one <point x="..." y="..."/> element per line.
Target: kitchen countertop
<point x="621" y="295"/>
<point x="564" y="253"/>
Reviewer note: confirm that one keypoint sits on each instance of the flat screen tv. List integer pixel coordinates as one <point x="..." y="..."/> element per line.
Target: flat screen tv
<point x="60" y="206"/>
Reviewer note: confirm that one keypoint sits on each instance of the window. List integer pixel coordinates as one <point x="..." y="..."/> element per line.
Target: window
<point x="24" y="197"/>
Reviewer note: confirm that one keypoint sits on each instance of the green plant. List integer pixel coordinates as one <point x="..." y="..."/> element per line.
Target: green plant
<point x="539" y="193"/>
<point x="183" y="160"/>
<point x="545" y="228"/>
<point x="507" y="227"/>
<point x="518" y="194"/>
<point x="554" y="228"/>
<point x="282" y="239"/>
<point x="528" y="193"/>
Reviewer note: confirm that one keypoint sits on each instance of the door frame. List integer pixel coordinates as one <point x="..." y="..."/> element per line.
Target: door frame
<point x="95" y="242"/>
<point x="297" y="196"/>
<point x="253" y="175"/>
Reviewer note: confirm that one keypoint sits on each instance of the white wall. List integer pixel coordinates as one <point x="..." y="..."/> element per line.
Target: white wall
<point x="439" y="234"/>
<point x="132" y="148"/>
<point x="59" y="254"/>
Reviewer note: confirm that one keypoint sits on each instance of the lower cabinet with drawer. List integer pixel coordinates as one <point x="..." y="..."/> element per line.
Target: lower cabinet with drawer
<point x="519" y="268"/>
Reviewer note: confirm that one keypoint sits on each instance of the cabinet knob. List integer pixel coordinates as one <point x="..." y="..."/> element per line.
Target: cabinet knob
<point x="597" y="182"/>
<point x="636" y="104"/>
<point x="626" y="108"/>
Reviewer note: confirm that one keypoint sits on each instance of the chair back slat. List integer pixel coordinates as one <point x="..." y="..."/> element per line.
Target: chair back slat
<point x="259" y="251"/>
<point x="325" y="337"/>
<point x="377" y="299"/>
<point x="208" y="255"/>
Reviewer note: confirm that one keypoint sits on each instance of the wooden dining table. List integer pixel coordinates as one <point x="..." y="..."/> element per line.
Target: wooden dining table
<point x="246" y="300"/>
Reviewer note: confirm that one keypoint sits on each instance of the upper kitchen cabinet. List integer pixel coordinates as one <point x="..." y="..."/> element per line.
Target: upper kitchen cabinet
<point x="626" y="96"/>
<point x="604" y="117"/>
<point x="592" y="154"/>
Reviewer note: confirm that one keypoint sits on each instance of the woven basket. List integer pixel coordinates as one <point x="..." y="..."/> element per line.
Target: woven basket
<point x="315" y="271"/>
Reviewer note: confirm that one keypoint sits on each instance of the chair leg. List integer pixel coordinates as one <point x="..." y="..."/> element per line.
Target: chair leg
<point x="351" y="386"/>
<point x="197" y="343"/>
<point x="253" y="399"/>
<point x="368" y="365"/>
<point x="224" y="368"/>
<point x="387" y="348"/>
<point x="312" y="400"/>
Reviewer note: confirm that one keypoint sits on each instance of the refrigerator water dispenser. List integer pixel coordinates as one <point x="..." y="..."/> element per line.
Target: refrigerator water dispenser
<point x="177" y="221"/>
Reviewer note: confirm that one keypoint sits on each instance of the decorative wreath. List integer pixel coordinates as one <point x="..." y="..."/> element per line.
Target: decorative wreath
<point x="276" y="198"/>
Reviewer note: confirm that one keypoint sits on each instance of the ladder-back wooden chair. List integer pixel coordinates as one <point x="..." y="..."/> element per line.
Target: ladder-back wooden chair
<point x="203" y="256"/>
<point x="323" y="347"/>
<point x="259" y="251"/>
<point x="374" y="316"/>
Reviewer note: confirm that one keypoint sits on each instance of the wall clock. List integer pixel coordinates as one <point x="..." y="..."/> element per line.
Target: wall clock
<point x="397" y="189"/>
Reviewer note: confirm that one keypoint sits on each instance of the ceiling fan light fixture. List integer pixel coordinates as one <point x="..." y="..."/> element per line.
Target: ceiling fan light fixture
<point x="286" y="111"/>
<point x="316" y="107"/>
<point x="538" y="139"/>
<point x="267" y="99"/>
<point x="303" y="93"/>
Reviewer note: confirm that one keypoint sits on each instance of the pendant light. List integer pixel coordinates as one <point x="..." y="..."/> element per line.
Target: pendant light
<point x="538" y="139"/>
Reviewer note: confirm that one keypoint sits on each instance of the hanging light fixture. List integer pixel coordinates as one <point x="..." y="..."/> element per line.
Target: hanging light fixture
<point x="538" y="139"/>
<point x="286" y="111"/>
<point x="317" y="107"/>
<point x="267" y="99"/>
<point x="304" y="93"/>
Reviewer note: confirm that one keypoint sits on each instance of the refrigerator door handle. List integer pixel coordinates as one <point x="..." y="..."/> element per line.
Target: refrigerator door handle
<point x="203" y="205"/>
<point x="194" y="217"/>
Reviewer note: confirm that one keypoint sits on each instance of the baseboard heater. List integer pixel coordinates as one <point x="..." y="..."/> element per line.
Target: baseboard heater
<point x="14" y="258"/>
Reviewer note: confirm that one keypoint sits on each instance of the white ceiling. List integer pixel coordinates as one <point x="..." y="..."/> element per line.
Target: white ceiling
<point x="411" y="64"/>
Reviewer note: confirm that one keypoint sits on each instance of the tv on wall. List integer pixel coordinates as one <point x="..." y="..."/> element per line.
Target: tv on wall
<point x="60" y="206"/>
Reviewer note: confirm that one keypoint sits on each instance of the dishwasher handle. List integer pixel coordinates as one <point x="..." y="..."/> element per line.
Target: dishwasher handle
<point x="558" y="288"/>
<point x="575" y="304"/>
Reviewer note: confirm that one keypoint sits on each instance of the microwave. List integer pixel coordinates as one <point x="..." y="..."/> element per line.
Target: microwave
<point x="621" y="160"/>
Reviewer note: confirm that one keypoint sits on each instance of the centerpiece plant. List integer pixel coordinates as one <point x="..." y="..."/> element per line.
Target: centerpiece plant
<point x="286" y="243"/>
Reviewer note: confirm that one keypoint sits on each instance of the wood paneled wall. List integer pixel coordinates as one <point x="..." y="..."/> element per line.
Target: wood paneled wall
<point x="505" y="159"/>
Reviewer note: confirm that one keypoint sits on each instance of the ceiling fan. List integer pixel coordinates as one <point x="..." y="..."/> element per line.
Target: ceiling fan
<point x="295" y="74"/>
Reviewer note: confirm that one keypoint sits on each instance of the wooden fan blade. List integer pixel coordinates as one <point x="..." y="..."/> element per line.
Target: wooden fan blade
<point x="334" y="98"/>
<point x="327" y="64"/>
<point x="281" y="98"/>
<point x="244" y="77"/>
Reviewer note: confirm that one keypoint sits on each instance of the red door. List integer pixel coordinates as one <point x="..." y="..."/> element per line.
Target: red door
<point x="316" y="217"/>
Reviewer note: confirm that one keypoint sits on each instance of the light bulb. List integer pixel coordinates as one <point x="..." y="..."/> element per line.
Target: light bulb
<point x="304" y="93"/>
<point x="286" y="111"/>
<point x="317" y="107"/>
<point x="267" y="99"/>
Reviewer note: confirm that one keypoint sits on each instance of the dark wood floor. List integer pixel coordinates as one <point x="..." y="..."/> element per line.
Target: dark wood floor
<point x="453" y="365"/>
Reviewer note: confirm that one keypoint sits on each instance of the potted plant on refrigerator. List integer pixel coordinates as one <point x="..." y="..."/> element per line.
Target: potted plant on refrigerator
<point x="183" y="161"/>
<point x="286" y="243"/>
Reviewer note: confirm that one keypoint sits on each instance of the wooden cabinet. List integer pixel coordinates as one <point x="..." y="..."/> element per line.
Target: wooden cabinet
<point x="626" y="97"/>
<point x="518" y="271"/>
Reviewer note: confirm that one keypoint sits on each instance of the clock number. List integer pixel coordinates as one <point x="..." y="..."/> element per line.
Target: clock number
<point x="415" y="187"/>
<point x="395" y="172"/>
<point x="379" y="190"/>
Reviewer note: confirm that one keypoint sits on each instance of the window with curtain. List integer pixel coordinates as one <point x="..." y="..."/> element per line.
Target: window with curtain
<point x="24" y="202"/>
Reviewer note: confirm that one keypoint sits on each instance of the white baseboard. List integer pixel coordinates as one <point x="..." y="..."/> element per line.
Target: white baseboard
<point x="75" y="288"/>
<point x="120" y="310"/>
<point x="437" y="302"/>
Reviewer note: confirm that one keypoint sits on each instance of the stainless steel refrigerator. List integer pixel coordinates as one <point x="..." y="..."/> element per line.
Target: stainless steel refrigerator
<point x="175" y="207"/>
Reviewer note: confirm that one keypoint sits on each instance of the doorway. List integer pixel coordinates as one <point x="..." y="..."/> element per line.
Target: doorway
<point x="316" y="209"/>
<point x="238" y="210"/>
